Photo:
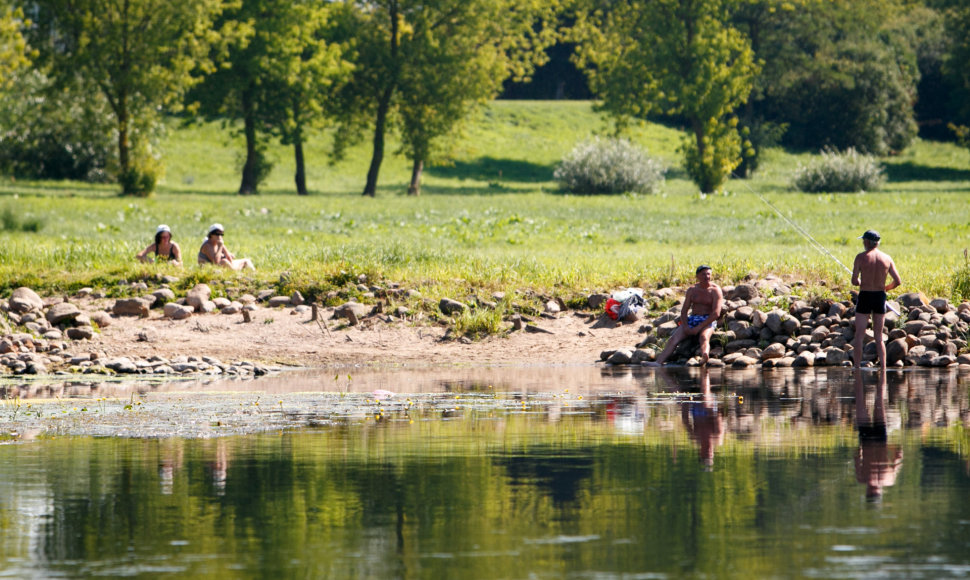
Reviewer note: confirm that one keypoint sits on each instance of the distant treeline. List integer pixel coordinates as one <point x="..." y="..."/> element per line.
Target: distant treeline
<point x="87" y="83"/>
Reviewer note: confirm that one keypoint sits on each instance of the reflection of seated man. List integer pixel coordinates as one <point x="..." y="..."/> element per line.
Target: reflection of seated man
<point x="698" y="317"/>
<point x="703" y="423"/>
<point x="876" y="462"/>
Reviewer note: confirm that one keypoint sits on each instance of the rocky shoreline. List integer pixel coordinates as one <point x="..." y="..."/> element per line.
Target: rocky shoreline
<point x="764" y="324"/>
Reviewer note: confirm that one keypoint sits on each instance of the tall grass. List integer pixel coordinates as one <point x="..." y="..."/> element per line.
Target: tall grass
<point x="490" y="220"/>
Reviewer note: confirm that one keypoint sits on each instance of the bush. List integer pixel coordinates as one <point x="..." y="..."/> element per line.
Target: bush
<point x="52" y="133"/>
<point x="961" y="280"/>
<point x="839" y="172"/>
<point x="608" y="166"/>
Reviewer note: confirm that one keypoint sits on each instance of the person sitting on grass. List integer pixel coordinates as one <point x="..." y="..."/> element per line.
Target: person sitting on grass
<point x="214" y="251"/>
<point x="703" y="301"/>
<point x="163" y="248"/>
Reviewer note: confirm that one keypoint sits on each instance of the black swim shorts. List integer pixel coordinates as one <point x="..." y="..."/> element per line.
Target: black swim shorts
<point x="871" y="302"/>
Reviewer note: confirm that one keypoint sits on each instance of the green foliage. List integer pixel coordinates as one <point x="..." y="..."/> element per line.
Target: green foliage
<point x="840" y="74"/>
<point x="848" y="172"/>
<point x="961" y="280"/>
<point x="476" y="323"/>
<point x="11" y="222"/>
<point x="14" y="52"/>
<point x="673" y="58"/>
<point x="139" y="74"/>
<point x="608" y="166"/>
<point x="55" y="132"/>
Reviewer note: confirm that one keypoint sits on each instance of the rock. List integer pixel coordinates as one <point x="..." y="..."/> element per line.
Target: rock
<point x="914" y="327"/>
<point x="743" y="362"/>
<point x="644" y="355"/>
<point x="835" y="356"/>
<point x="739" y="345"/>
<point x="221" y="302"/>
<point x="744" y="314"/>
<point x="964" y="359"/>
<point x="121" y="365"/>
<point x="666" y="329"/>
<point x="163" y="295"/>
<point x="147" y="335"/>
<point x="896" y="350"/>
<point x="622" y="356"/>
<point x="277" y="301"/>
<point x="264" y="295"/>
<point x="552" y="307"/>
<point x="774" y="320"/>
<point x="63" y="312"/>
<point x="744" y="292"/>
<point x="24" y="299"/>
<point x="356" y="309"/>
<point x="837" y="309"/>
<point x="597" y="301"/>
<point x="131" y="307"/>
<point x="247" y="299"/>
<point x="942" y="305"/>
<point x="177" y="311"/>
<point x="232" y="308"/>
<point x="774" y="350"/>
<point x="80" y="333"/>
<point x="198" y="295"/>
<point x="805" y="359"/>
<point x="944" y="360"/>
<point x="758" y="319"/>
<point x="101" y="318"/>
<point x="912" y="300"/>
<point x="449" y="306"/>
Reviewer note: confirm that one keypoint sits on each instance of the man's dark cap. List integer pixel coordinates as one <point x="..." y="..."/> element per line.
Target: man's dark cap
<point x="701" y="268"/>
<point x="870" y="235"/>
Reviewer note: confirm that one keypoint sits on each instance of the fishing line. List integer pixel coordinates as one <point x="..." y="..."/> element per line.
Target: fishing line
<point x="814" y="243"/>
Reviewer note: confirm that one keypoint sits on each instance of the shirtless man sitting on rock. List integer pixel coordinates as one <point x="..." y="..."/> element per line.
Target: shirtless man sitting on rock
<point x="869" y="273"/>
<point x="703" y="301"/>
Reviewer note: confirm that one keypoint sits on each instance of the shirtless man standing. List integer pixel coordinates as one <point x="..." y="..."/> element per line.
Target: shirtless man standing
<point x="869" y="273"/>
<point x="703" y="301"/>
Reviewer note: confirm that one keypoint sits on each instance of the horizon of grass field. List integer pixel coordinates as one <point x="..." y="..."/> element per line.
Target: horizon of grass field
<point x="492" y="219"/>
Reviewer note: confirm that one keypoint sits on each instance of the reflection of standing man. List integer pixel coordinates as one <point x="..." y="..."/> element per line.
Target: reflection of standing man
<point x="869" y="272"/>
<point x="876" y="463"/>
<point x="703" y="422"/>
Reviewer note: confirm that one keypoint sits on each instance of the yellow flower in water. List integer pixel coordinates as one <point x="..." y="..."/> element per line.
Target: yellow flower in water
<point x="741" y="400"/>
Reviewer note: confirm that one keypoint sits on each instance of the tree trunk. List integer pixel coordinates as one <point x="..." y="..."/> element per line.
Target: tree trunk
<point x="249" y="179"/>
<point x="377" y="156"/>
<point x="124" y="145"/>
<point x="300" y="165"/>
<point x="415" y="187"/>
<point x="383" y="107"/>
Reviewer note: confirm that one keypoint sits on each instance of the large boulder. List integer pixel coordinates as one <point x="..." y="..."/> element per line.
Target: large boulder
<point x="131" y="307"/>
<point x="744" y="292"/>
<point x="198" y="295"/>
<point x="913" y="300"/>
<point x="24" y="299"/>
<point x="449" y="306"/>
<point x="177" y="311"/>
<point x="63" y="312"/>
<point x="774" y="350"/>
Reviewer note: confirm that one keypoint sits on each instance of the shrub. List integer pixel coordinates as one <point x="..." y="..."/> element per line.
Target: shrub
<point x="608" y="166"/>
<point x="839" y="172"/>
<point x="961" y="280"/>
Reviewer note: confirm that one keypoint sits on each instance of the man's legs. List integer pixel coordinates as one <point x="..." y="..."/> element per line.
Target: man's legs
<point x="672" y="342"/>
<point x="877" y="323"/>
<point x="705" y="339"/>
<point x="861" y="323"/>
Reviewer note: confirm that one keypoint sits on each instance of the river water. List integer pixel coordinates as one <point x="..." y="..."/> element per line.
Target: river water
<point x="502" y="472"/>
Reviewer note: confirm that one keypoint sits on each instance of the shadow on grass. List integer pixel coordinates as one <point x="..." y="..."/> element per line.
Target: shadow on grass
<point x="909" y="171"/>
<point x="494" y="170"/>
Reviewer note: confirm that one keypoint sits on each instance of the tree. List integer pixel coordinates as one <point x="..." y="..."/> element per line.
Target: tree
<point x="957" y="68"/>
<point x="139" y="53"/>
<point x="675" y="58"/>
<point x="433" y="62"/>
<point x="457" y="57"/>
<point x="835" y="73"/>
<point x="275" y="79"/>
<point x="14" y="54"/>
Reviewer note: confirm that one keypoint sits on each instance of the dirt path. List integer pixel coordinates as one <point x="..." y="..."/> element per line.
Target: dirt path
<point x="280" y="336"/>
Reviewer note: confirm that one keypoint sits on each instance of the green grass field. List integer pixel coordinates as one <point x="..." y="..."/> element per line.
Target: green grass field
<point x="491" y="220"/>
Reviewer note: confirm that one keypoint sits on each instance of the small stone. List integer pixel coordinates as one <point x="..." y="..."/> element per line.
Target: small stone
<point x="80" y="333"/>
<point x="450" y="307"/>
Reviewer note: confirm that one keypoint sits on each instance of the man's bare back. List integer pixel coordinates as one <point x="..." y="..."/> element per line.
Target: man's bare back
<point x="870" y="270"/>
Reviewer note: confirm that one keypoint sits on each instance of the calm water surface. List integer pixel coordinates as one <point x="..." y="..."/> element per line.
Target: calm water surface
<point x="515" y="473"/>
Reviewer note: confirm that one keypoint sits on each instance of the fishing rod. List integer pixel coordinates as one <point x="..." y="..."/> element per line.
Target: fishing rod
<point x="815" y="243"/>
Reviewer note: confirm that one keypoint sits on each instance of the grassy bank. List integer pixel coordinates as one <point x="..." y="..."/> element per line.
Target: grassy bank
<point x="492" y="220"/>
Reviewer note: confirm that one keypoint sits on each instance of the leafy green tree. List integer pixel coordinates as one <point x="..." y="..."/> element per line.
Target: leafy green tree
<point x="14" y="54"/>
<point x="957" y="68"/>
<point x="836" y="73"/>
<point x="141" y="55"/>
<point x="275" y="79"/>
<point x="432" y="63"/>
<point x="675" y="58"/>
